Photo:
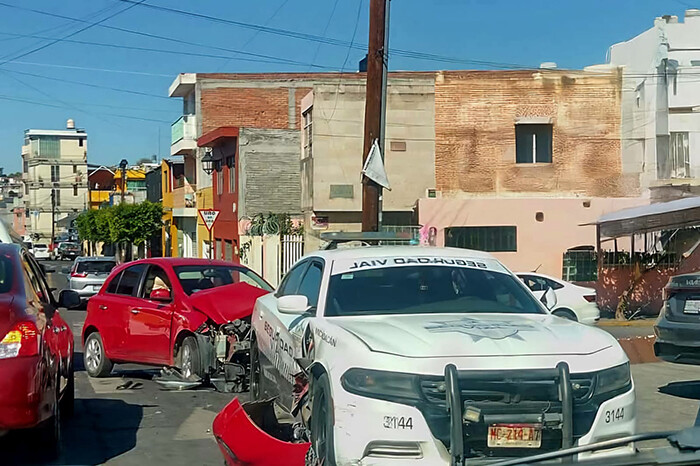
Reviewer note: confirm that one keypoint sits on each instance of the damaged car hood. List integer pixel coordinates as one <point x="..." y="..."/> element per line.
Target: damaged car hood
<point x="446" y="335"/>
<point x="227" y="303"/>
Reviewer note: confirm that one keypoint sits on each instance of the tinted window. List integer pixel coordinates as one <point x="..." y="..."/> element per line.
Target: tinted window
<point x="195" y="278"/>
<point x="34" y="281"/>
<point x="130" y="280"/>
<point x="427" y="290"/>
<point x="5" y="274"/>
<point x="112" y="287"/>
<point x="291" y="281"/>
<point x="95" y="266"/>
<point x="155" y="279"/>
<point x="311" y="284"/>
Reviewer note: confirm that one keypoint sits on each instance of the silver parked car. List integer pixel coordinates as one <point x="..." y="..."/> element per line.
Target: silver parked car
<point x="89" y="273"/>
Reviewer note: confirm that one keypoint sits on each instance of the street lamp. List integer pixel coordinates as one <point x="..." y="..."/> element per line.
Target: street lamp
<point x="208" y="162"/>
<point x="122" y="166"/>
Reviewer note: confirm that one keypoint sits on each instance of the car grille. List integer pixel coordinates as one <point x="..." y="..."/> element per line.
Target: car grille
<point x="513" y="395"/>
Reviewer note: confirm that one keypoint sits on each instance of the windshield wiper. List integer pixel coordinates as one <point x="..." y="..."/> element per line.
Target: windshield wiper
<point x="687" y="440"/>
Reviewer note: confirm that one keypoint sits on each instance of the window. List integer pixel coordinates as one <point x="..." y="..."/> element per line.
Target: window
<point x="536" y="283"/>
<point x="231" y="164"/>
<point x="218" y="166"/>
<point x="75" y="169"/>
<point x="114" y="284"/>
<point x="49" y="147"/>
<point x="57" y="196"/>
<point x="427" y="289"/>
<point x="194" y="278"/>
<point x="310" y="286"/>
<point x="680" y="155"/>
<point x="308" y="134"/>
<point x="291" y="281"/>
<point x="156" y="279"/>
<point x="533" y="143"/>
<point x="81" y="142"/>
<point x="96" y="267"/>
<point x="75" y="190"/>
<point x="491" y="239"/>
<point x="130" y="280"/>
<point x="6" y="274"/>
<point x="55" y="173"/>
<point x="38" y="286"/>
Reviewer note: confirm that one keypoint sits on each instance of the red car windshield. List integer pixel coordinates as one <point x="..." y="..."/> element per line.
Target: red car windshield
<point x="5" y="274"/>
<point x="195" y="278"/>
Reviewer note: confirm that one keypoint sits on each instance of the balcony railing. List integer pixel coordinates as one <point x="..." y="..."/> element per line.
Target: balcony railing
<point x="183" y="133"/>
<point x="184" y="198"/>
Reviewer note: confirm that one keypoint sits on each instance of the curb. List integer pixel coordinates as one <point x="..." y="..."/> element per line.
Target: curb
<point x="626" y="323"/>
<point x="639" y="350"/>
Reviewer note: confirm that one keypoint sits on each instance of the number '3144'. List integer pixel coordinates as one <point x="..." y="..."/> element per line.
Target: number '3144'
<point x="614" y="415"/>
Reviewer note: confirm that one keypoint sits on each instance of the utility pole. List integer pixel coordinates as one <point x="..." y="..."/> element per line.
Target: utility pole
<point x="375" y="107"/>
<point x="53" y="216"/>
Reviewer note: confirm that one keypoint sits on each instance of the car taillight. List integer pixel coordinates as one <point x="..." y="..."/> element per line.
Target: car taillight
<point x="79" y="274"/>
<point x="22" y="340"/>
<point x="590" y="298"/>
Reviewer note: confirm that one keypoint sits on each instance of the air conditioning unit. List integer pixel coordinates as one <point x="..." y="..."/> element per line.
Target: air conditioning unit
<point x="432" y="193"/>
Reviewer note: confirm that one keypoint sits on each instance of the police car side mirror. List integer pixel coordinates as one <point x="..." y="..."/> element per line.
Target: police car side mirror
<point x="549" y="298"/>
<point x="292" y="304"/>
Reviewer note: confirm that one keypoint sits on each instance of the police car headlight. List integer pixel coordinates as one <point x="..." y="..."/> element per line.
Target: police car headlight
<point x="393" y="386"/>
<point x="613" y="379"/>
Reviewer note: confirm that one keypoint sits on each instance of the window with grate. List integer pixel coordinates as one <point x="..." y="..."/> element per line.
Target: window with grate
<point x="490" y="239"/>
<point x="55" y="173"/>
<point x="218" y="166"/>
<point x="231" y="164"/>
<point x="680" y="155"/>
<point x="533" y="143"/>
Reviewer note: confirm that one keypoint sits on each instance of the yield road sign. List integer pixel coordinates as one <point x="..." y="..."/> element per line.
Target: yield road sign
<point x="209" y="216"/>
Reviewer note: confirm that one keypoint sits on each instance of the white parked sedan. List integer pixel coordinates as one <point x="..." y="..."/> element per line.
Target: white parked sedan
<point x="41" y="251"/>
<point x="573" y="302"/>
<point x="433" y="356"/>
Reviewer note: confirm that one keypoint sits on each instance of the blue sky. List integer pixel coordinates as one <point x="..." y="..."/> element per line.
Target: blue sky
<point x="132" y="126"/>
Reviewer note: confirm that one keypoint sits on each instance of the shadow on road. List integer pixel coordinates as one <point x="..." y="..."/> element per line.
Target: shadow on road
<point x="688" y="389"/>
<point x="101" y="429"/>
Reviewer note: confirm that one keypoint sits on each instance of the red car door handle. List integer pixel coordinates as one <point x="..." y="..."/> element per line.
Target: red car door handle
<point x="103" y="307"/>
<point x="135" y="311"/>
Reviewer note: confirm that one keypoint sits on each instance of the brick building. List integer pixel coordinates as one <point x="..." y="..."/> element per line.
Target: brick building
<point x="523" y="158"/>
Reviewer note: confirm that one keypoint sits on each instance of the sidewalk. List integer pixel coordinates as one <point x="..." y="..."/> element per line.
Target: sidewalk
<point x="645" y="322"/>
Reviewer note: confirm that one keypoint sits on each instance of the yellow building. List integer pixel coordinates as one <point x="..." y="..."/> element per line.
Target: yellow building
<point x="169" y="229"/>
<point x="135" y="189"/>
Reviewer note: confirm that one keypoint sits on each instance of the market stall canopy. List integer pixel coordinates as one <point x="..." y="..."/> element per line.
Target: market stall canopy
<point x="681" y="213"/>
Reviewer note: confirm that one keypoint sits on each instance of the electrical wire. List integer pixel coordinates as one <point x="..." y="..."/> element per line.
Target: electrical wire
<point x="325" y="30"/>
<point x="89" y="26"/>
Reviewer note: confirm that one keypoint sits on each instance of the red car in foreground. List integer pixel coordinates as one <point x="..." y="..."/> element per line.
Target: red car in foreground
<point x="193" y="314"/>
<point x="36" y="350"/>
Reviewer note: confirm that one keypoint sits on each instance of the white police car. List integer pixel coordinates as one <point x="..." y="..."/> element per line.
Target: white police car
<point x="432" y="356"/>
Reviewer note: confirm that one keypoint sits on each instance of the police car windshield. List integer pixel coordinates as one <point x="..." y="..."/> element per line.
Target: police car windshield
<point x="427" y="289"/>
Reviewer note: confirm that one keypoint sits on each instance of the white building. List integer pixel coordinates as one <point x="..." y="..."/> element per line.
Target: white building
<point x="661" y="104"/>
<point x="55" y="175"/>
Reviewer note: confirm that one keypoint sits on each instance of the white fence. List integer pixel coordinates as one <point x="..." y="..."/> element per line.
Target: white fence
<point x="271" y="256"/>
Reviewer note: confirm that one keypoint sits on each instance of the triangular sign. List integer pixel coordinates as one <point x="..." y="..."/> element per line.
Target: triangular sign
<point x="374" y="167"/>
<point x="209" y="216"/>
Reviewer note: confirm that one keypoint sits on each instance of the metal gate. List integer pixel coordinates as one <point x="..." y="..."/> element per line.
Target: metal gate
<point x="291" y="250"/>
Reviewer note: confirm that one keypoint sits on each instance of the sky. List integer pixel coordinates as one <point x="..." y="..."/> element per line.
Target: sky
<point x="53" y="67"/>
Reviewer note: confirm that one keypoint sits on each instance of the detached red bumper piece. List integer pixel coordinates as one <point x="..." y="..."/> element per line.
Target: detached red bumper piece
<point x="249" y="435"/>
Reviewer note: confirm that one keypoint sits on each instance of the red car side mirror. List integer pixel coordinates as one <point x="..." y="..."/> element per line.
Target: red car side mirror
<point x="160" y="295"/>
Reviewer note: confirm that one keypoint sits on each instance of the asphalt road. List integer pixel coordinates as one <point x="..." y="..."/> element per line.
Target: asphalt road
<point x="147" y="425"/>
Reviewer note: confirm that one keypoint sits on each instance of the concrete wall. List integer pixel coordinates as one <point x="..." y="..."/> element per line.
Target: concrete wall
<point x="538" y="243"/>
<point x="476" y="114"/>
<point x="268" y="172"/>
<point x="338" y="131"/>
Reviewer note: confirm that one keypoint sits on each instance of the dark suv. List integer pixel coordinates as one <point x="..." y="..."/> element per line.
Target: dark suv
<point x="678" y="327"/>
<point x="68" y="251"/>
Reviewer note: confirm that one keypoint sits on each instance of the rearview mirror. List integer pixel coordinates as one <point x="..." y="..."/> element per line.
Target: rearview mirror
<point x="160" y="294"/>
<point x="69" y="299"/>
<point x="549" y="299"/>
<point x="292" y="304"/>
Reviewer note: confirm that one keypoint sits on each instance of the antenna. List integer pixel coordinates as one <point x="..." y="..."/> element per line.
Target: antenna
<point x="538" y="268"/>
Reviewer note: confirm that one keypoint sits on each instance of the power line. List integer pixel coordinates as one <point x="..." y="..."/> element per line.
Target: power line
<point x="81" y="83"/>
<point x="325" y="30"/>
<point x="87" y="68"/>
<point x="272" y="59"/>
<point x="90" y="25"/>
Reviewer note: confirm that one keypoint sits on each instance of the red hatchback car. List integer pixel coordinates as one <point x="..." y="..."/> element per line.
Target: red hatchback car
<point x="193" y="314"/>
<point x="36" y="349"/>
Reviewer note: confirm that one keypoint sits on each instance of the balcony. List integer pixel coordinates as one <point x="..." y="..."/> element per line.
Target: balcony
<point x="184" y="198"/>
<point x="183" y="135"/>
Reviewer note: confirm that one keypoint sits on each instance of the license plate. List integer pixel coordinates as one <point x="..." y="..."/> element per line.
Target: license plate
<point x="692" y="306"/>
<point x="515" y="436"/>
